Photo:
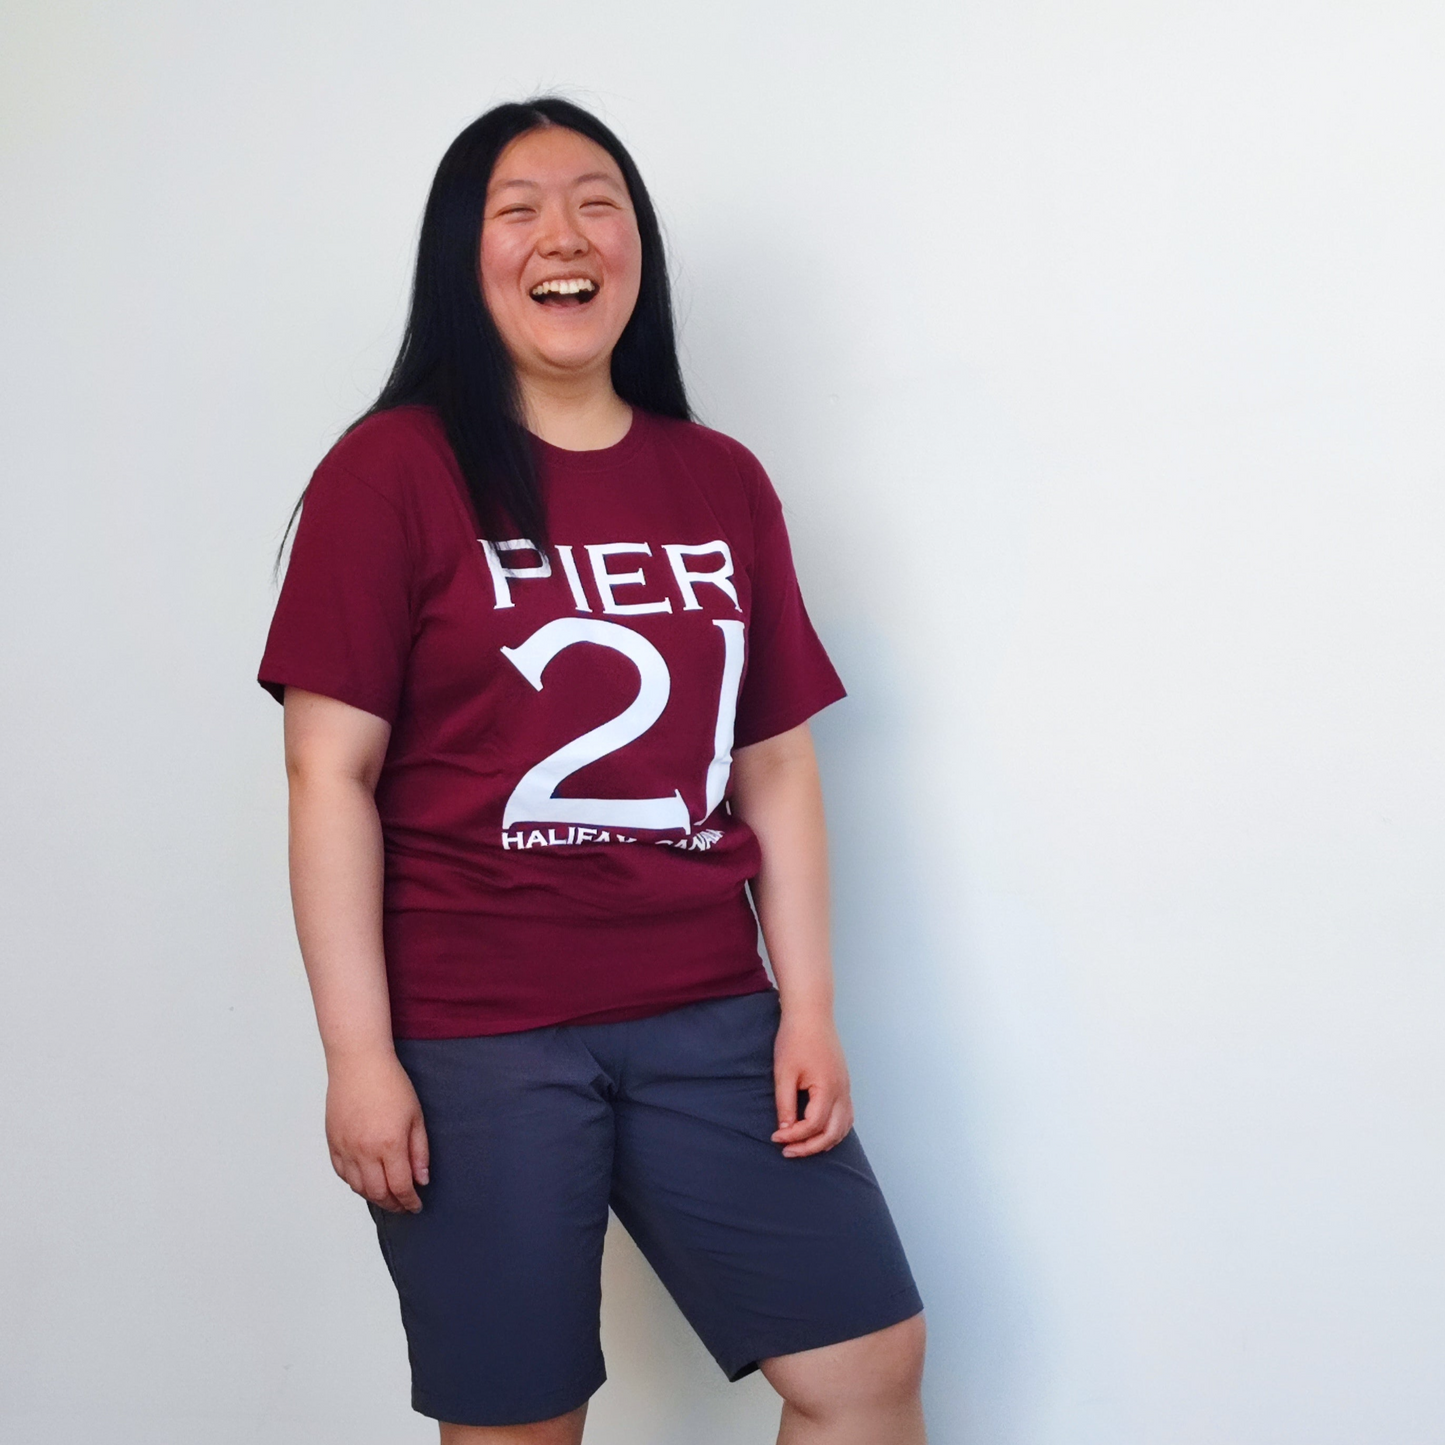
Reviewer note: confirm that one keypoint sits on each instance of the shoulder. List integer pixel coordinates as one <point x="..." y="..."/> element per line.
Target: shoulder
<point x="397" y="454"/>
<point x="716" y="460"/>
<point x="390" y="480"/>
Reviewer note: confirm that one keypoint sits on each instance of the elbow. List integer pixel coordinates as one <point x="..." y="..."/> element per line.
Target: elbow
<point x="312" y="775"/>
<point x="778" y="767"/>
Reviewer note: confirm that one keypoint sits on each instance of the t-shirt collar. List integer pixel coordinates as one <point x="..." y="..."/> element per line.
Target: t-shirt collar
<point x="600" y="459"/>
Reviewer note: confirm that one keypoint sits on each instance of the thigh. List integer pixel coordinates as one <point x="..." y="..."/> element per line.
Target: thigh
<point x="499" y="1275"/>
<point x="764" y="1255"/>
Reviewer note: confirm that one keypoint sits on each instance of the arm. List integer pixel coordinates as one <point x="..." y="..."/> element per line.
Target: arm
<point x="374" y="1128"/>
<point x="777" y="793"/>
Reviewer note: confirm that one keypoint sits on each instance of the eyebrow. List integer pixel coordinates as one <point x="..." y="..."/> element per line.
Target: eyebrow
<point x="577" y="181"/>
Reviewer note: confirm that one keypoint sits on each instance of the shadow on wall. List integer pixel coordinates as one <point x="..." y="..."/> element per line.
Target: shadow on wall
<point x="913" y="1081"/>
<point x="913" y="1084"/>
<point x="814" y="390"/>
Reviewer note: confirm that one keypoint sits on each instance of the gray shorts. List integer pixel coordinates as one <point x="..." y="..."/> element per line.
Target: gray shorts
<point x="666" y="1119"/>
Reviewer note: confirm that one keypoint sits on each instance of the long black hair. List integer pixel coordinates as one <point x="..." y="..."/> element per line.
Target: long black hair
<point x="452" y="356"/>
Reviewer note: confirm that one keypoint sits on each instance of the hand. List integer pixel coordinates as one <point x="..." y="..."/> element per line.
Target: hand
<point x="809" y="1055"/>
<point x="375" y="1131"/>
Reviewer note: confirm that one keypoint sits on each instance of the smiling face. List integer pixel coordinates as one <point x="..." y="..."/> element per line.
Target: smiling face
<point x="561" y="259"/>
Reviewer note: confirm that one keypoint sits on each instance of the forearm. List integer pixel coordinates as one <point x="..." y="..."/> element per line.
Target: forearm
<point x="777" y="792"/>
<point x="336" y="887"/>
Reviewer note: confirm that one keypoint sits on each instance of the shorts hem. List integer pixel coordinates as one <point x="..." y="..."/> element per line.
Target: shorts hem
<point x="901" y="1306"/>
<point x="562" y="1403"/>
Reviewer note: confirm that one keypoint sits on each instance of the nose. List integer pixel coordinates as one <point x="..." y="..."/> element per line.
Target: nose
<point x="559" y="235"/>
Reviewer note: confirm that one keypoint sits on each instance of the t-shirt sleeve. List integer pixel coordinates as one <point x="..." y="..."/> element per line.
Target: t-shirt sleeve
<point x="343" y="621"/>
<point x="789" y="676"/>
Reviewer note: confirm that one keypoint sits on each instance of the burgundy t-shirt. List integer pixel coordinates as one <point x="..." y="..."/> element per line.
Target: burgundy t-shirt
<point x="558" y="844"/>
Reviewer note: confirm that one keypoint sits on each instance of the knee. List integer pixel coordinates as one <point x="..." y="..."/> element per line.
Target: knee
<point x="909" y="1346"/>
<point x="877" y="1374"/>
<point x="891" y="1370"/>
<point x="560" y="1430"/>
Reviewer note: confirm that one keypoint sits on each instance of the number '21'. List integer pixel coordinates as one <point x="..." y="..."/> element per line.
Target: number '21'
<point x="534" y="798"/>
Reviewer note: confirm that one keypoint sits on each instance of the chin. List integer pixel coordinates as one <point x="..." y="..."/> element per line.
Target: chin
<point x="573" y="358"/>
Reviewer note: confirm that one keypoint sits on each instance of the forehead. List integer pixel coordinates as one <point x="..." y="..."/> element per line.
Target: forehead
<point x="553" y="156"/>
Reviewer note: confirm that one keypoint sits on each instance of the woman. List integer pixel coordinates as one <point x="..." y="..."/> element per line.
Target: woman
<point x="547" y="677"/>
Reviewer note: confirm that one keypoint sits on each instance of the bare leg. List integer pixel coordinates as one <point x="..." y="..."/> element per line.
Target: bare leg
<point x="859" y="1392"/>
<point x="560" y="1430"/>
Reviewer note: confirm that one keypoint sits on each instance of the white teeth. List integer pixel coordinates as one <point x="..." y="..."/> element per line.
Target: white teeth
<point x="566" y="286"/>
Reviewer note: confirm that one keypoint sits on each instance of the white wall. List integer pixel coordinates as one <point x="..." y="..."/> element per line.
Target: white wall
<point x="1097" y="351"/>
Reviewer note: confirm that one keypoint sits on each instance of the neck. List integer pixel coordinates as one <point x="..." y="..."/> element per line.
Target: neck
<point x="581" y="414"/>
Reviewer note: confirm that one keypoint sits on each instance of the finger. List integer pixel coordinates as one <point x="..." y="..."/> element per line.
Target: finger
<point x="811" y="1119"/>
<point x="834" y="1127"/>
<point x="355" y="1176"/>
<point x="375" y="1187"/>
<point x="785" y="1095"/>
<point x="350" y="1172"/>
<point x="420" y="1148"/>
<point x="814" y="1120"/>
<point x="803" y="1129"/>
<point x="802" y="1101"/>
<point x="397" y="1168"/>
<point x="834" y="1132"/>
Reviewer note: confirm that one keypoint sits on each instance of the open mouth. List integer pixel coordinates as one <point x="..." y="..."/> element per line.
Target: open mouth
<point x="566" y="291"/>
